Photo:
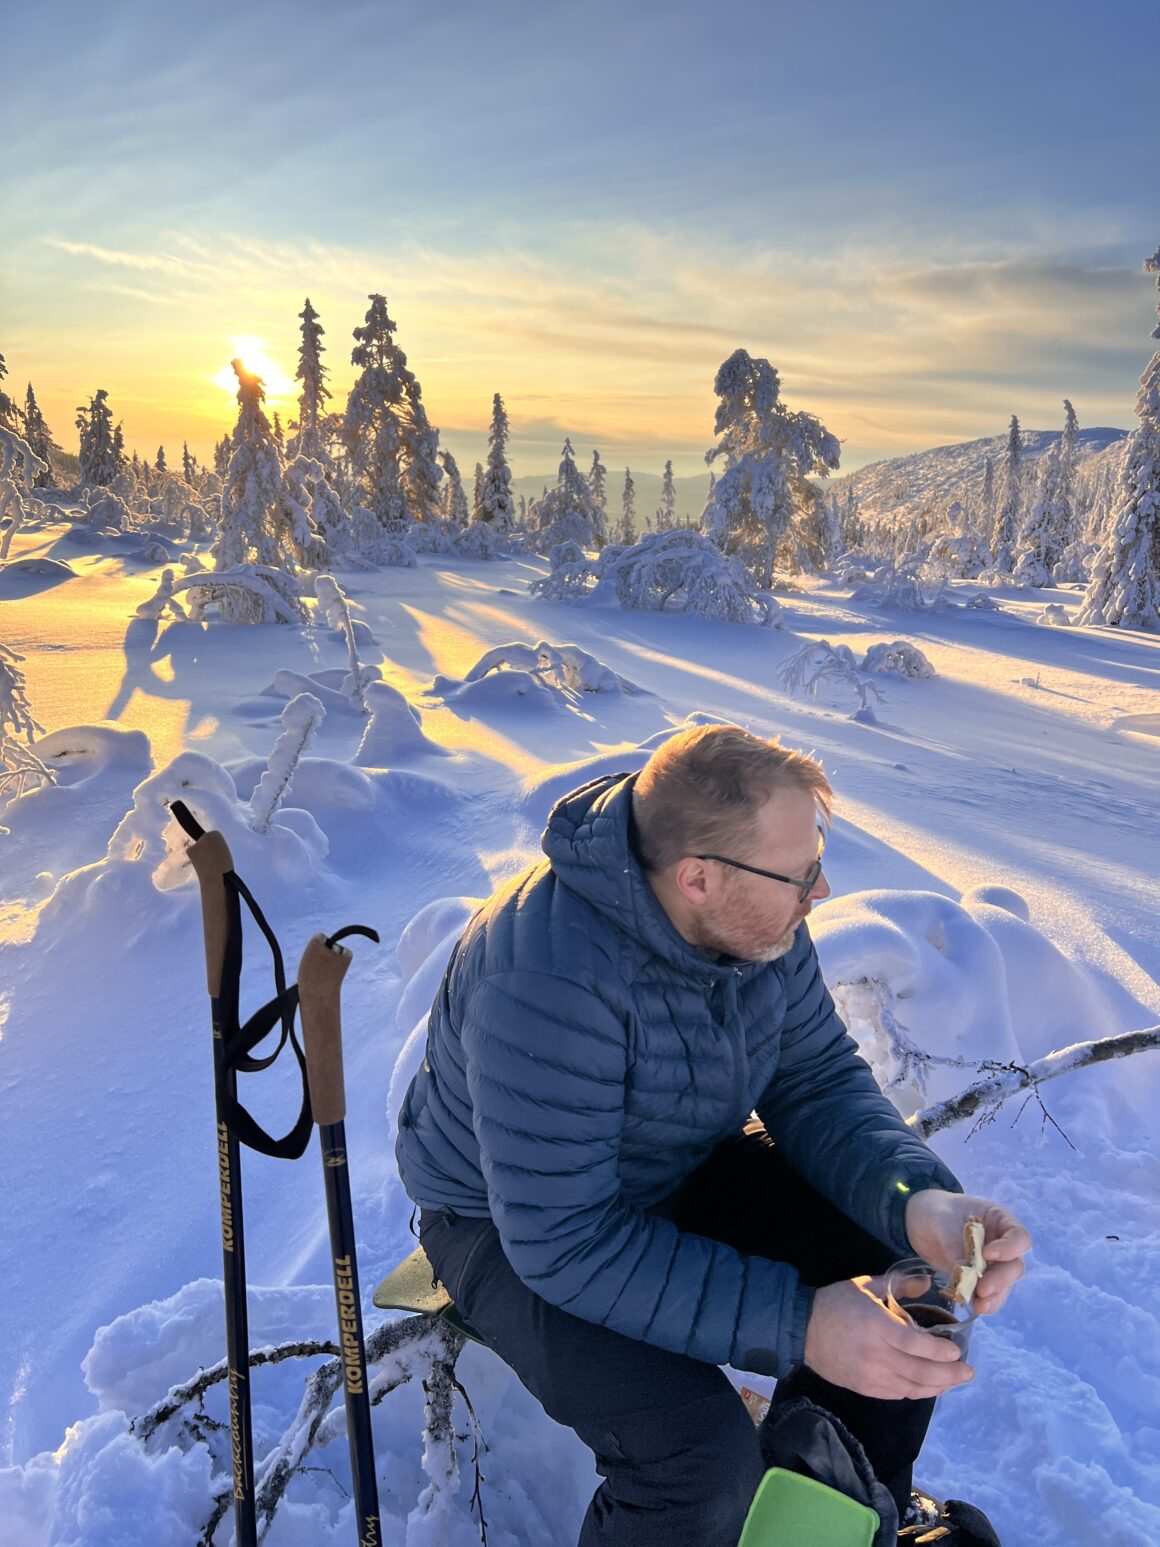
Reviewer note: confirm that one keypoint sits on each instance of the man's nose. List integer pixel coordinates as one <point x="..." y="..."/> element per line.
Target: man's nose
<point x="821" y="888"/>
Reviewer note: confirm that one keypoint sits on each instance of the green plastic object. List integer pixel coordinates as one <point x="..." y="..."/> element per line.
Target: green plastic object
<point x="793" y="1511"/>
<point x="412" y="1287"/>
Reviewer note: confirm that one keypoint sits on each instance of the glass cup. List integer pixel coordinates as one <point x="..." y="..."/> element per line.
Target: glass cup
<point x="914" y="1289"/>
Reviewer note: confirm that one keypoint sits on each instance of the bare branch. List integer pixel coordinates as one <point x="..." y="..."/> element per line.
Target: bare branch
<point x="987" y="1096"/>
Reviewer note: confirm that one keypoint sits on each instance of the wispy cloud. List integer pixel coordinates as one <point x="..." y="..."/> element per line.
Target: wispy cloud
<point x="622" y="330"/>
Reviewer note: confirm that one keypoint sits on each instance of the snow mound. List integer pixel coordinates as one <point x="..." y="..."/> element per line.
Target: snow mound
<point x="394" y="730"/>
<point x="1054" y="615"/>
<point x="83" y="751"/>
<point x="39" y="565"/>
<point x="563" y="668"/>
<point x="933" y="989"/>
<point x="320" y="784"/>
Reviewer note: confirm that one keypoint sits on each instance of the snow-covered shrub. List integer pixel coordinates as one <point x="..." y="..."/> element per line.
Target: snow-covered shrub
<point x="481" y="540"/>
<point x="247" y="593"/>
<point x="375" y="544"/>
<point x="677" y="571"/>
<point x="20" y="767"/>
<point x="301" y="718"/>
<point x="807" y="670"/>
<point x="565" y="667"/>
<point x="902" y="587"/>
<point x="163" y="600"/>
<point x="19" y="469"/>
<point x="1055" y="616"/>
<point x="899" y="658"/>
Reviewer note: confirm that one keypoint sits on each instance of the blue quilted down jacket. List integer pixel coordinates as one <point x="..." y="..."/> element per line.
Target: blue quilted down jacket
<point x="583" y="1058"/>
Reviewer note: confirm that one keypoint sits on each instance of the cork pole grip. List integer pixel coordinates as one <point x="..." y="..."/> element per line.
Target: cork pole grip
<point x="210" y="857"/>
<point x="320" y="975"/>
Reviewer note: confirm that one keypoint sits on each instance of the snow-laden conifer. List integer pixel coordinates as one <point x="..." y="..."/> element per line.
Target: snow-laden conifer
<point x="496" y="506"/>
<point x="477" y="494"/>
<point x="374" y="416"/>
<point x="1039" y="539"/>
<point x="625" y="533"/>
<point x="421" y="476"/>
<point x="455" y="511"/>
<point x="987" y="504"/>
<point x="263" y="524"/>
<point x="769" y="455"/>
<point x="666" y="512"/>
<point x="1010" y="516"/>
<point x="221" y="456"/>
<point x="10" y="418"/>
<point x="597" y="475"/>
<point x="39" y="437"/>
<point x="308" y="439"/>
<point x="98" y="455"/>
<point x="188" y="465"/>
<point x="1125" y="583"/>
<point x="161" y="467"/>
<point x="568" y="513"/>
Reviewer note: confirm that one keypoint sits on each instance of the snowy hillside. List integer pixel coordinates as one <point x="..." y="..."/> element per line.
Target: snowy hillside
<point x="925" y="482"/>
<point x="993" y="866"/>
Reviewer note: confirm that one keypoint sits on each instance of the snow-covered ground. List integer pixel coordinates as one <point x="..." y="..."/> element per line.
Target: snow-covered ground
<point x="993" y="866"/>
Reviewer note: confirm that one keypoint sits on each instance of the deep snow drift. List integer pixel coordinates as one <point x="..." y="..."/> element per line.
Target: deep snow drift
<point x="993" y="866"/>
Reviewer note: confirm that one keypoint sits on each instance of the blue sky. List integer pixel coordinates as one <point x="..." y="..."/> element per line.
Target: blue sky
<point x="927" y="218"/>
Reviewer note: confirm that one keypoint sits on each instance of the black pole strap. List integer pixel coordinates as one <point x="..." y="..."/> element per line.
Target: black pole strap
<point x="238" y="1041"/>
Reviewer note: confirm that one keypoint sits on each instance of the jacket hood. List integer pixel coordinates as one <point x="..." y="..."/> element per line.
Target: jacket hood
<point x="587" y="841"/>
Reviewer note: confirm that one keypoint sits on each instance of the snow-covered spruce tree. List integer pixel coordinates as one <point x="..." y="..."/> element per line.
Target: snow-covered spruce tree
<point x="374" y="417"/>
<point x="987" y="505"/>
<point x="597" y="475"/>
<point x="10" y="418"/>
<point x="1010" y="516"/>
<point x="221" y="456"/>
<point x="496" y="496"/>
<point x="853" y="527"/>
<point x="98" y="452"/>
<point x="308" y="439"/>
<point x="39" y="437"/>
<point x="666" y="512"/>
<point x="1125" y="583"/>
<point x="1039" y="547"/>
<point x="265" y="530"/>
<point x="625" y="533"/>
<point x="161" y="467"/>
<point x="477" y="494"/>
<point x="769" y="455"/>
<point x="188" y="465"/>
<point x="568" y="513"/>
<point x="455" y="511"/>
<point x="420" y="472"/>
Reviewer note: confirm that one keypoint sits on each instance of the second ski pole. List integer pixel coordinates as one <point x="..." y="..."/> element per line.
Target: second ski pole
<point x="320" y="974"/>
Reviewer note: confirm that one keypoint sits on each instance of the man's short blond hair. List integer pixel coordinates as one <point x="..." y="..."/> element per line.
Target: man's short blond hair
<point x="701" y="791"/>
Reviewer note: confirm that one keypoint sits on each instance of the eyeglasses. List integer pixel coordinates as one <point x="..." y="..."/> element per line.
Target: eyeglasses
<point x="804" y="884"/>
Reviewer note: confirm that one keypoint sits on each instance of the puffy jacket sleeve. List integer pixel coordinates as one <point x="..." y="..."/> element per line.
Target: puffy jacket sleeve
<point x="546" y="1066"/>
<point x="825" y="1111"/>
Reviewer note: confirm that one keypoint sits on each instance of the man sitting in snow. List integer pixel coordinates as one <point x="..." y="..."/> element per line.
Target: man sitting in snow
<point x="644" y="1146"/>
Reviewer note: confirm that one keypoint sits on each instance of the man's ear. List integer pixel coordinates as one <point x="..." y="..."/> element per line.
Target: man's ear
<point x="691" y="879"/>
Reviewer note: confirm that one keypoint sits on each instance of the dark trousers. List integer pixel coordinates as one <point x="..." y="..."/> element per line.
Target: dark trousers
<point x="679" y="1454"/>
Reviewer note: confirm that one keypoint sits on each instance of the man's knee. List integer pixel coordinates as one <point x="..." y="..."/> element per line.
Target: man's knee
<point x="697" y="1465"/>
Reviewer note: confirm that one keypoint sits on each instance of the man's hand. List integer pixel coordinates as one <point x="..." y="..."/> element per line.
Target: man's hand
<point x="934" y="1225"/>
<point x="853" y="1340"/>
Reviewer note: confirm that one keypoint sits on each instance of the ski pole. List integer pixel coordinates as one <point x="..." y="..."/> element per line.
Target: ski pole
<point x="320" y="974"/>
<point x="210" y="857"/>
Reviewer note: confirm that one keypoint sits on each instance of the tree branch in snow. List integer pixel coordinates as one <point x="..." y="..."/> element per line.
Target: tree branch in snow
<point x="983" y="1099"/>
